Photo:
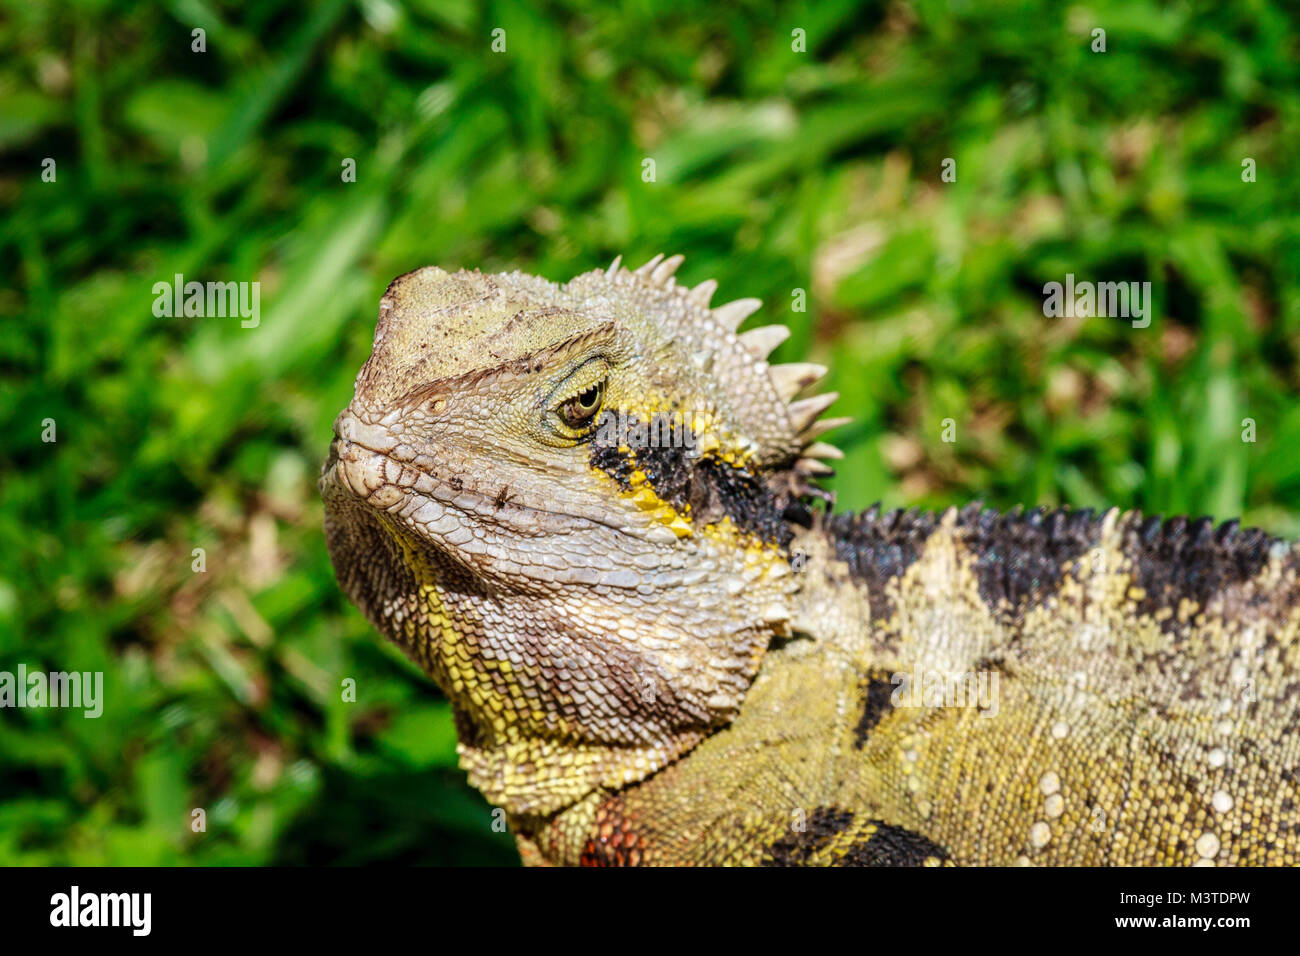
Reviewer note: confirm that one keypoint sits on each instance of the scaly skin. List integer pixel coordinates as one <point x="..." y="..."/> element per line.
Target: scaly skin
<point x="659" y="652"/>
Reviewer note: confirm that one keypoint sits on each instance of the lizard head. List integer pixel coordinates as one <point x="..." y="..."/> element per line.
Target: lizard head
<point x="571" y="505"/>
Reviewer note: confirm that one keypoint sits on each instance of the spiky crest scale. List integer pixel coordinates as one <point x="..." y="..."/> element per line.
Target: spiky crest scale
<point x="797" y="448"/>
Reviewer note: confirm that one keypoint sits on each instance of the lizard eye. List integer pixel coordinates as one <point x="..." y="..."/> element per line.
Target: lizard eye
<point x="578" y="411"/>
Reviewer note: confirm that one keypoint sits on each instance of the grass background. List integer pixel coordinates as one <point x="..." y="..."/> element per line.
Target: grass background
<point x="776" y="171"/>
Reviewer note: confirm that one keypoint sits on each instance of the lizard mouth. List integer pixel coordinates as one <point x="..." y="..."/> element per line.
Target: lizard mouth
<point x="365" y="462"/>
<point x="515" y="546"/>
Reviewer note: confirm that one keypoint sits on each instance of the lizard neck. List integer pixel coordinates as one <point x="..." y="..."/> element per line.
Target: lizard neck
<point x="564" y="688"/>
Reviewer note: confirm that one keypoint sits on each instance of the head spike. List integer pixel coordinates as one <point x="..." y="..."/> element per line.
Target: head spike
<point x="794" y="377"/>
<point x="761" y="341"/>
<point x="805" y="411"/>
<point x="613" y="267"/>
<point x="663" y="273"/>
<point x="733" y="313"/>
<point x="823" y="425"/>
<point x="819" y="449"/>
<point x="702" y="293"/>
<point x="813" y="468"/>
<point x="650" y="266"/>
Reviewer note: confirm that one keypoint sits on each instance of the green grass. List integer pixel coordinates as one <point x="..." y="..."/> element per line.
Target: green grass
<point x="776" y="171"/>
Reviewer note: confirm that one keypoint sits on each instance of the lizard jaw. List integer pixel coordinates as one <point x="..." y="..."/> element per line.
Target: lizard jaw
<point x="505" y="542"/>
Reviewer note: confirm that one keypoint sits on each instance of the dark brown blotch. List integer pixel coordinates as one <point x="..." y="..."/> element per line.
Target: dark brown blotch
<point x="876" y="691"/>
<point x="712" y="488"/>
<point x="878" y="547"/>
<point x="1179" y="560"/>
<point x="798" y="846"/>
<point x="1021" y="559"/>
<point x="893" y="846"/>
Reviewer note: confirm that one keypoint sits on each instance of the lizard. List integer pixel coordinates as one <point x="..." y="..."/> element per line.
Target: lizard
<point x="593" y="514"/>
